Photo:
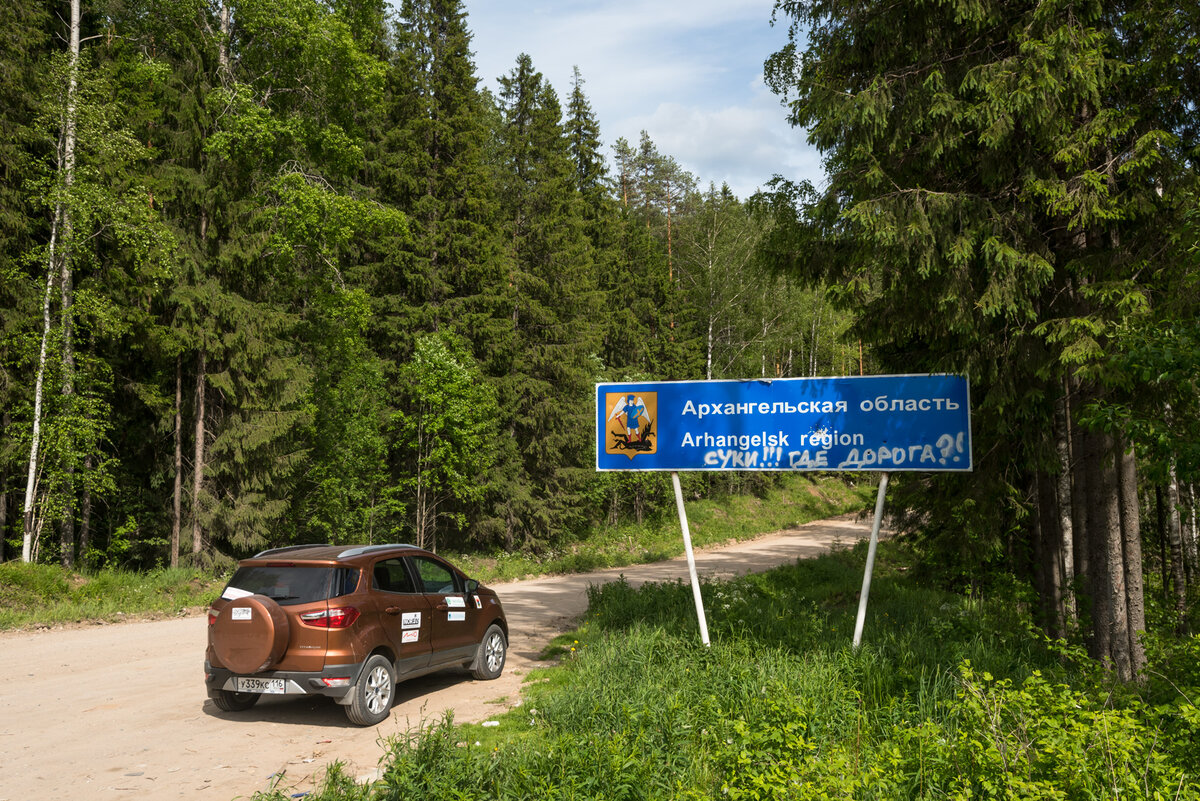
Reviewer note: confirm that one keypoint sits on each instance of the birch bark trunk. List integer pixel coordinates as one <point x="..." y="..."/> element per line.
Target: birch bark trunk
<point x="198" y="463"/>
<point x="5" y="422"/>
<point x="67" y="524"/>
<point x="1063" y="498"/>
<point x="61" y="225"/>
<point x="177" y="496"/>
<point x="1191" y="538"/>
<point x="1175" y="544"/>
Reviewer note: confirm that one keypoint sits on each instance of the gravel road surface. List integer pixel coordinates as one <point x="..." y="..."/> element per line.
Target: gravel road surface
<point x="119" y="711"/>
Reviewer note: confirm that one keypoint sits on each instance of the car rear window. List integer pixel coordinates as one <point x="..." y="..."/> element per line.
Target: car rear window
<point x="292" y="584"/>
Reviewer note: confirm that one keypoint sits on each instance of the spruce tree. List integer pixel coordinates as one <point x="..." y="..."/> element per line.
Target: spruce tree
<point x="552" y="305"/>
<point x="990" y="168"/>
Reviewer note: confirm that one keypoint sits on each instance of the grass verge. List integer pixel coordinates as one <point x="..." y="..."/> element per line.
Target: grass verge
<point x="44" y="595"/>
<point x="949" y="697"/>
<point x="798" y="500"/>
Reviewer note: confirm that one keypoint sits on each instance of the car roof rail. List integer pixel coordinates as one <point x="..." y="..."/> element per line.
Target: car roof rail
<point x="286" y="548"/>
<point x="362" y="549"/>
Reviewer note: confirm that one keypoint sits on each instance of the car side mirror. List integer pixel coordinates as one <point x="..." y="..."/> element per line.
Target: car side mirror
<point x="471" y="586"/>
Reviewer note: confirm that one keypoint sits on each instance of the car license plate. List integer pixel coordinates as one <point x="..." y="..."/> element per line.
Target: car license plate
<point x="265" y="686"/>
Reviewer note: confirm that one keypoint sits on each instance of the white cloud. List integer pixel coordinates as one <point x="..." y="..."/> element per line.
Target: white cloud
<point x="688" y="73"/>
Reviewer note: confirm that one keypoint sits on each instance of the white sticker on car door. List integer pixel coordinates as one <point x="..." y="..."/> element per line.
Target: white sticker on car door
<point x="456" y="617"/>
<point x="455" y="602"/>
<point x="410" y="620"/>
<point x="410" y="636"/>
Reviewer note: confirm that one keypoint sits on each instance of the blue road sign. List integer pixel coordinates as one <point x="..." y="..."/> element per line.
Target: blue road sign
<point x="881" y="423"/>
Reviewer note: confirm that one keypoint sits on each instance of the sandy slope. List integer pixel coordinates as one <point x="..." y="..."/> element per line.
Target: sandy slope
<point x="119" y="711"/>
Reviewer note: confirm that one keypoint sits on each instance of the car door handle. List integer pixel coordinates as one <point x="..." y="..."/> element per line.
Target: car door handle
<point x="392" y="610"/>
<point x="442" y="607"/>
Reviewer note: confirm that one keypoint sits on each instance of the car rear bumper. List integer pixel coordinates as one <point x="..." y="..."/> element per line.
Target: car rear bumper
<point x="335" y="681"/>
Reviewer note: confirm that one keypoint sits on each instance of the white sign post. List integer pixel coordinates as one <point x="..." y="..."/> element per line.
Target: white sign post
<point x="894" y="423"/>
<point x="691" y="560"/>
<point x="866" y="587"/>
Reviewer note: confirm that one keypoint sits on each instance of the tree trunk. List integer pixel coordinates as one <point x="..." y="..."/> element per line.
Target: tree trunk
<point x="177" y="497"/>
<point x="1063" y="501"/>
<point x="1090" y="461"/>
<point x="85" y="511"/>
<point x="5" y="421"/>
<point x="28" y="524"/>
<point x="1131" y="538"/>
<point x="1175" y="543"/>
<point x="1164" y="564"/>
<point x="1191" y="537"/>
<point x="198" y="462"/>
<point x="60" y="224"/>
<point x="1110" y="622"/>
<point x="223" y="45"/>
<point x="1048" y="559"/>
<point x="66" y="526"/>
<point x="1079" y="500"/>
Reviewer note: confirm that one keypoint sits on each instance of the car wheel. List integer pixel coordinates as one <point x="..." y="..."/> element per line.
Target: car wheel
<point x="489" y="659"/>
<point x="372" y="699"/>
<point x="229" y="701"/>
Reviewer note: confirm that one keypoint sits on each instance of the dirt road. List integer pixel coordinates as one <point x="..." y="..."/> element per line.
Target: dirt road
<point x="76" y="721"/>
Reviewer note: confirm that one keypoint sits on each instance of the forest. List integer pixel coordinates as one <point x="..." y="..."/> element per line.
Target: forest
<point x="282" y="271"/>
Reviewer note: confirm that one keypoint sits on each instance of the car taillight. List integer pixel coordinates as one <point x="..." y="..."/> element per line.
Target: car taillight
<point x="337" y="618"/>
<point x="212" y="616"/>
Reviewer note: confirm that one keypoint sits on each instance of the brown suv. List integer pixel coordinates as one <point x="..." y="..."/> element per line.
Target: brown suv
<point x="347" y="622"/>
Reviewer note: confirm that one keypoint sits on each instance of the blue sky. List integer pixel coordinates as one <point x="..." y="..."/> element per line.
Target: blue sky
<point x="688" y="72"/>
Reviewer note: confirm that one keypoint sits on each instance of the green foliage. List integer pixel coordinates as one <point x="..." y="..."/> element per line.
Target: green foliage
<point x="548" y="367"/>
<point x="42" y="595"/>
<point x="446" y="432"/>
<point x="712" y="520"/>
<point x="1007" y="200"/>
<point x="351" y="499"/>
<point x="781" y="707"/>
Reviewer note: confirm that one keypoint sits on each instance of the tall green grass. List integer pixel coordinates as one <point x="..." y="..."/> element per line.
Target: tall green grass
<point x="47" y="594"/>
<point x="798" y="499"/>
<point x="949" y="697"/>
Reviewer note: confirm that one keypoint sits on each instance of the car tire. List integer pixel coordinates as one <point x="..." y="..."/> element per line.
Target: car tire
<point x="489" y="658"/>
<point x="371" y="701"/>
<point x="229" y="701"/>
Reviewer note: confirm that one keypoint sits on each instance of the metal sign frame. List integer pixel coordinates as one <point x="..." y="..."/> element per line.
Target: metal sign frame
<point x="867" y="423"/>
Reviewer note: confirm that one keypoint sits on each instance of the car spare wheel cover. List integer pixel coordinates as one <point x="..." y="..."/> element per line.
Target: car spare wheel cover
<point x="250" y="634"/>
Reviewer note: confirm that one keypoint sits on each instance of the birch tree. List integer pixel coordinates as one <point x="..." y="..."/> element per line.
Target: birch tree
<point x="57" y="260"/>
